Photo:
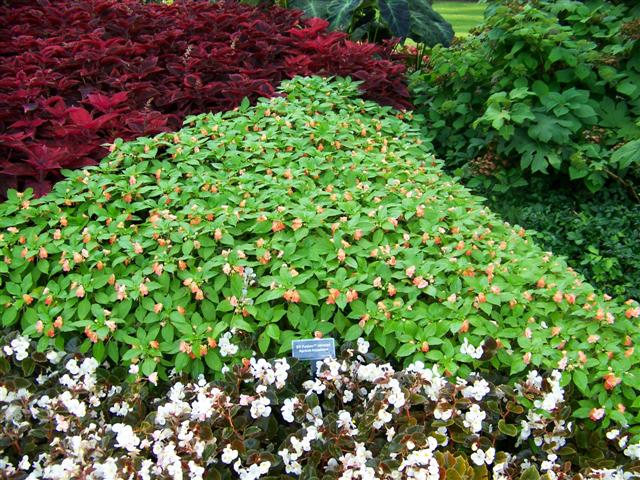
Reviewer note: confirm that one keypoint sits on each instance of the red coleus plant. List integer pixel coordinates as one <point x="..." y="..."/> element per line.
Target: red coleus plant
<point x="75" y="74"/>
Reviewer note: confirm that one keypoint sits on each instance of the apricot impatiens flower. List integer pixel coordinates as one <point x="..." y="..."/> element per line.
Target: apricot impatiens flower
<point x="596" y="414"/>
<point x="333" y="296"/>
<point x="137" y="248"/>
<point x="420" y="282"/>
<point x="80" y="291"/>
<point x="632" y="313"/>
<point x="611" y="381"/>
<point x="341" y="255"/>
<point x="291" y="296"/>
<point x="121" y="291"/>
<point x="277" y="226"/>
<point x="352" y="295"/>
<point x="296" y="224"/>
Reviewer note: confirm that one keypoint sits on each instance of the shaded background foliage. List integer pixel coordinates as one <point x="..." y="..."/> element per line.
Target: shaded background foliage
<point x="76" y="74"/>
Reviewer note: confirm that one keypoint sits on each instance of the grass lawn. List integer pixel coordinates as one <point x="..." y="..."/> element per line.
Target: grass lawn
<point x="463" y="16"/>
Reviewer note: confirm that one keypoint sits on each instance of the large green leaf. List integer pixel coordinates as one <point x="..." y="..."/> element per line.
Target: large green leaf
<point x="341" y="13"/>
<point x="396" y="14"/>
<point x="427" y="25"/>
<point x="311" y="8"/>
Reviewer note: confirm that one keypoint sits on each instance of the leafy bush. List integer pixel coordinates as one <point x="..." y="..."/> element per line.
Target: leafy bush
<point x="314" y="214"/>
<point x="544" y="87"/>
<point x="599" y="233"/>
<point x="119" y="68"/>
<point x="375" y="20"/>
<point x="358" y="419"/>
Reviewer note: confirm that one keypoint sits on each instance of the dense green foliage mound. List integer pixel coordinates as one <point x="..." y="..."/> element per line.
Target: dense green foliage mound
<point x="312" y="213"/>
<point x="599" y="233"/>
<point x="546" y="86"/>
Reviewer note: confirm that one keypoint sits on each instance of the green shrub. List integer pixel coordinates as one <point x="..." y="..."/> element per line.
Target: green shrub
<point x="317" y="213"/>
<point x="599" y="233"/>
<point x="545" y="87"/>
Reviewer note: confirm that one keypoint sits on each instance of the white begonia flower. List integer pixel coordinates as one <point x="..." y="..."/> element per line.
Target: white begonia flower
<point x="445" y="415"/>
<point x="120" y="409"/>
<point x="363" y="345"/>
<point x="347" y="396"/>
<point x="383" y="417"/>
<point x="611" y="434"/>
<point x="228" y="454"/>
<point x="345" y="422"/>
<point x="260" y="407"/>
<point x="195" y="471"/>
<point x="73" y="405"/>
<point x="18" y="348"/>
<point x="288" y="408"/>
<point x="551" y="399"/>
<point x="633" y="451"/>
<point x="534" y="379"/>
<point x="480" y="457"/>
<point x="125" y="438"/>
<point x="55" y="357"/>
<point x="72" y="366"/>
<point x="468" y="349"/>
<point x="474" y="417"/>
<point x="391" y="432"/>
<point x="312" y="386"/>
<point x="107" y="470"/>
<point x="24" y="463"/>
<point x="549" y="463"/>
<point x="477" y="391"/>
<point x="226" y="347"/>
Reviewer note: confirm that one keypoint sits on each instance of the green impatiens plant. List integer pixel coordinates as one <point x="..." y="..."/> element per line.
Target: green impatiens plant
<point x="315" y="213"/>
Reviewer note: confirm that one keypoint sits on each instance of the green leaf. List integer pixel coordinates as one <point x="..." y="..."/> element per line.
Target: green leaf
<point x="353" y="333"/>
<point x="340" y="13"/>
<point x="397" y="16"/>
<point x="530" y="474"/>
<point x="627" y="155"/>
<point x="99" y="351"/>
<point x="581" y="381"/>
<point x="427" y="26"/>
<point x="213" y="361"/>
<point x="263" y="342"/>
<point x="507" y="428"/>
<point x="182" y="360"/>
<point x="406" y="350"/>
<point x="10" y="316"/>
<point x="148" y="366"/>
<point x="308" y="297"/>
<point x="84" y="307"/>
<point x="273" y="331"/>
<point x="311" y="8"/>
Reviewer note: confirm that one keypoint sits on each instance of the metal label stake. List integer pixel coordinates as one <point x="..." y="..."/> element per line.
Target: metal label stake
<point x="314" y="350"/>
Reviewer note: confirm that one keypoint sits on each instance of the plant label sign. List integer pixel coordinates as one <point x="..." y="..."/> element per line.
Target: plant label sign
<point x="314" y="349"/>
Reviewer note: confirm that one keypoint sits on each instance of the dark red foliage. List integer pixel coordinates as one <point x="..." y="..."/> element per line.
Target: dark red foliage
<point x="75" y="74"/>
